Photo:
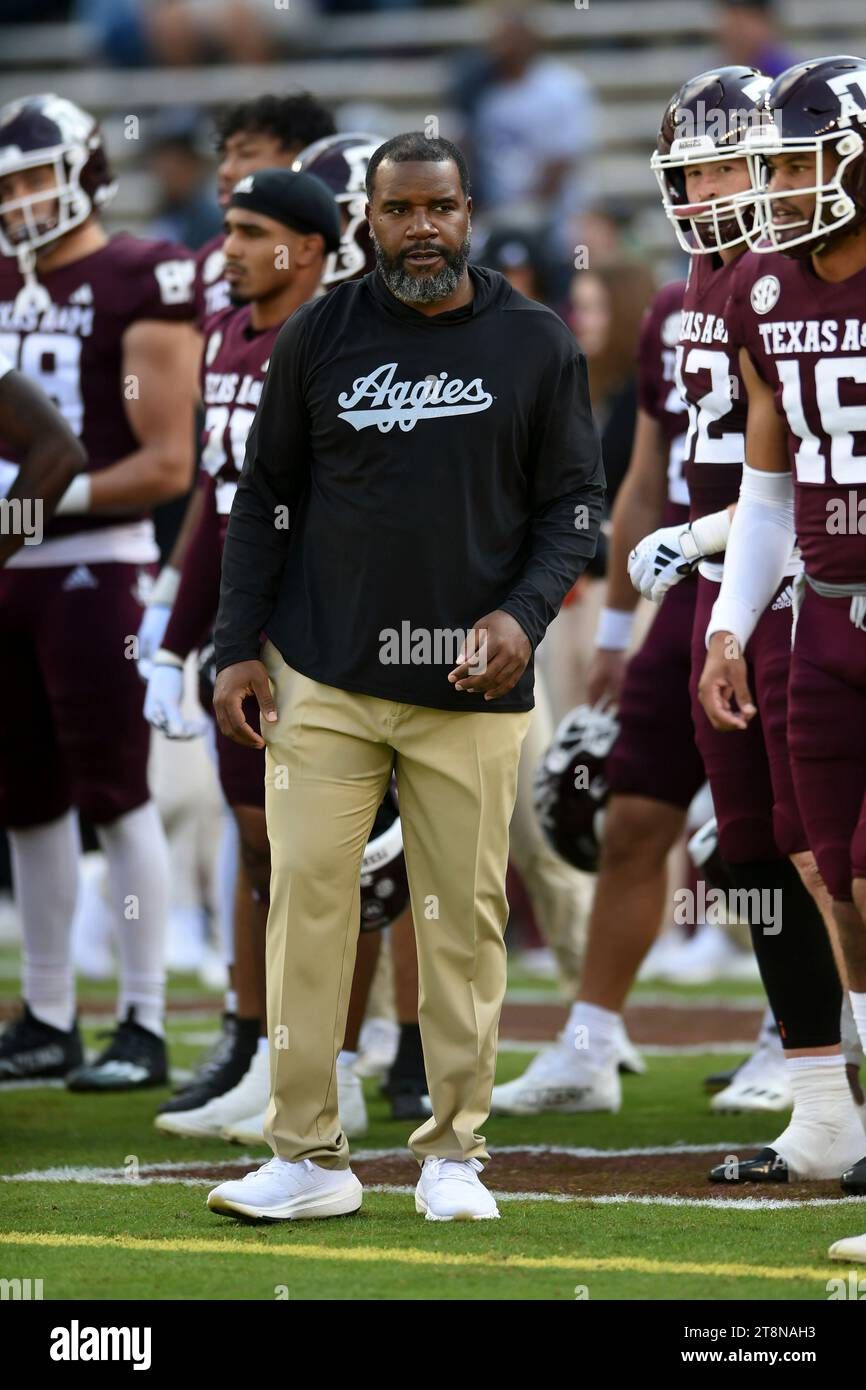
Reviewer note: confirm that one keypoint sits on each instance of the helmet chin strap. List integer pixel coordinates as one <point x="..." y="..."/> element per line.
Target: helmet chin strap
<point x="32" y="296"/>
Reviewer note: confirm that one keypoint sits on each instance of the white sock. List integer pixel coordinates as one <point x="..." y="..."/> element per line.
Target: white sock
<point x="858" y="1009"/>
<point x="231" y="1001"/>
<point x="593" y="1030"/>
<point x="45" y="874"/>
<point x="346" y="1058"/>
<point x="852" y="1049"/>
<point x="138" y="877"/>
<point x="825" y="1135"/>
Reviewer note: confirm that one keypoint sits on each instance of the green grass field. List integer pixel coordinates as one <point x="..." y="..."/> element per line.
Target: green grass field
<point x="139" y="1239"/>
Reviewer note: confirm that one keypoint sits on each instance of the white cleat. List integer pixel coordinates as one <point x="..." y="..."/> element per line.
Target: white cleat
<point x="560" y="1081"/>
<point x="350" y="1101"/>
<point x="710" y="955"/>
<point x="208" y="1121"/>
<point x="450" y="1190"/>
<point x="760" y="1084"/>
<point x="284" y="1191"/>
<point x="851" y="1248"/>
<point x="249" y="1129"/>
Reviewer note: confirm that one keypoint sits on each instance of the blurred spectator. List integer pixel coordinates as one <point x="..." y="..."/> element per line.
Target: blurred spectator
<point x="186" y="210"/>
<point x="748" y="34"/>
<point x="186" y="33"/>
<point x="529" y="126"/>
<point x="519" y="256"/>
<point x="607" y="304"/>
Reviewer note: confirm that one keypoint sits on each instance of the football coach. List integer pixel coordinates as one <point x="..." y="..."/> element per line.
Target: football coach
<point x="422" y="487"/>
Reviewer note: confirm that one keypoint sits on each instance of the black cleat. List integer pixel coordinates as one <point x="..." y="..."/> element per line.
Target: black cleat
<point x="854" y="1180"/>
<point x="33" y="1050"/>
<point x="226" y="1064"/>
<point x="134" y="1060"/>
<point x="766" y="1166"/>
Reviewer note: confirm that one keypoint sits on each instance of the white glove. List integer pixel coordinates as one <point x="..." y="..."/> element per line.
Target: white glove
<point x="162" y="703"/>
<point x="659" y="561"/>
<point x="150" y="635"/>
<point x="666" y="556"/>
<point x="155" y="621"/>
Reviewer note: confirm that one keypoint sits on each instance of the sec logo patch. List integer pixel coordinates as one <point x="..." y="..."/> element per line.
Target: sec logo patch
<point x="765" y="294"/>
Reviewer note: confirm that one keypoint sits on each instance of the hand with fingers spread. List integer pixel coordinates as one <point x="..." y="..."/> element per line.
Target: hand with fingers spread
<point x="233" y="685"/>
<point x="724" y="686"/>
<point x="493" y="657"/>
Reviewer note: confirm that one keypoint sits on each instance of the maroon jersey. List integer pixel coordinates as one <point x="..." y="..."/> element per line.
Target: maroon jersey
<point x="211" y="289"/>
<point x="657" y="390"/>
<point x="708" y="378"/>
<point x="73" y="349"/>
<point x="807" y="339"/>
<point x="233" y="373"/>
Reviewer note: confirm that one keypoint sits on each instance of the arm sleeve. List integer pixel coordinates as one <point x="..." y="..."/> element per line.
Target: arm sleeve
<point x="273" y="479"/>
<point x="567" y="498"/>
<point x="195" y="603"/>
<point x="757" y="554"/>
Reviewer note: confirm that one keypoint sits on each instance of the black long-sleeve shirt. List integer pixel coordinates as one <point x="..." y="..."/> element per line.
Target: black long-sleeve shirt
<point x="404" y="476"/>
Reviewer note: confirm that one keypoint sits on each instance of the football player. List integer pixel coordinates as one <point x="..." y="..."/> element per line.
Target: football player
<point x="104" y="326"/>
<point x="705" y="178"/>
<point x="797" y="312"/>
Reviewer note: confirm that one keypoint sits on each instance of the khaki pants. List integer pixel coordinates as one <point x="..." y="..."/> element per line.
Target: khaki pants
<point x="329" y="758"/>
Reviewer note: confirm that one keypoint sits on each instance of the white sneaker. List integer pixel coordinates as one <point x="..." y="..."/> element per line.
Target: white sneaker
<point x="760" y="1084"/>
<point x="350" y="1100"/>
<point x="283" y="1191"/>
<point x="710" y="955"/>
<point x="249" y="1128"/>
<point x="209" y="1120"/>
<point x="449" y="1190"/>
<point x="377" y="1047"/>
<point x="851" y="1248"/>
<point x="560" y="1080"/>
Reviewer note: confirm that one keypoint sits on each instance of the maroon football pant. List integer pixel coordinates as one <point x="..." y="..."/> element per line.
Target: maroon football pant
<point x="827" y="738"/>
<point x="655" y="754"/>
<point x="750" y="770"/>
<point x="72" y="731"/>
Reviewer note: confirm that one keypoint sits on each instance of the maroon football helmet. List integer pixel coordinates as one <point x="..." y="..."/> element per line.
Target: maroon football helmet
<point x="816" y="108"/>
<point x="570" y="787"/>
<point x="706" y="122"/>
<point x="384" y="885"/>
<point x="49" y="130"/>
<point x="341" y="162"/>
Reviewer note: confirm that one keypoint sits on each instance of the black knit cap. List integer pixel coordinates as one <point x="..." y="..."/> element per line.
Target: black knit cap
<point x="300" y="201"/>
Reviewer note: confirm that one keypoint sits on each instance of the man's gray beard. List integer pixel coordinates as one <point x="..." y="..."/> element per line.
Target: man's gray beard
<point x="422" y="289"/>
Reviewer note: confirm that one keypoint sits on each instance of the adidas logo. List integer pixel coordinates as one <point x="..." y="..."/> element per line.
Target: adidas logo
<point x="83" y="295"/>
<point x="80" y="578"/>
<point x="785" y="599"/>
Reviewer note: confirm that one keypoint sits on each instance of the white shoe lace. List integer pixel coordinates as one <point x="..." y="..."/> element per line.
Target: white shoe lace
<point x="463" y="1170"/>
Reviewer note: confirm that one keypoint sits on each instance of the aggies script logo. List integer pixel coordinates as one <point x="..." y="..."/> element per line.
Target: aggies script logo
<point x="387" y="402"/>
